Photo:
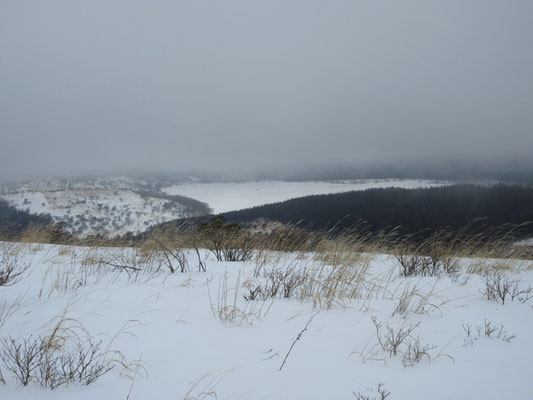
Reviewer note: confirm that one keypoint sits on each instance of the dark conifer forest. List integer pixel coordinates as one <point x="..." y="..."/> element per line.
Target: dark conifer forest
<point x="13" y="221"/>
<point x="412" y="211"/>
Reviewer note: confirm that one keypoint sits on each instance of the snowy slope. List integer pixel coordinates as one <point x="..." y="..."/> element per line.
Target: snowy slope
<point x="167" y="322"/>
<point x="107" y="206"/>
<point x="224" y="197"/>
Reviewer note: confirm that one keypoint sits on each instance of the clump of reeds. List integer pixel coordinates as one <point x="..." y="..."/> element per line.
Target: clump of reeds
<point x="229" y="307"/>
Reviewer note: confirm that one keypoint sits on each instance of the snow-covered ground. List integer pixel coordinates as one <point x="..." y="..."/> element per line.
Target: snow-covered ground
<point x="109" y="206"/>
<point x="224" y="197"/>
<point x="186" y="351"/>
<point x="93" y="211"/>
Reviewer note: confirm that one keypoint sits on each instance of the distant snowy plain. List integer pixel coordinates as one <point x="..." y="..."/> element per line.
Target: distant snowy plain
<point x="224" y="197"/>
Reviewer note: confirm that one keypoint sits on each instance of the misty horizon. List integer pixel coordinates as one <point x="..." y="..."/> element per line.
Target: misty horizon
<point x="264" y="89"/>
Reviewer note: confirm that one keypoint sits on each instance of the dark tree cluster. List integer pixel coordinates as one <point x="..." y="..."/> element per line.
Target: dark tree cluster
<point x="13" y="221"/>
<point x="191" y="206"/>
<point x="412" y="210"/>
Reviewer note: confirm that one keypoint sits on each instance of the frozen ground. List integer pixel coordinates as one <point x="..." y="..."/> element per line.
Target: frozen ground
<point x="167" y="321"/>
<point x="224" y="197"/>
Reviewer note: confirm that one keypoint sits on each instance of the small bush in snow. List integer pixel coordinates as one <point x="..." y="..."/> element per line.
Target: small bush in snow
<point x="397" y="341"/>
<point x="415" y="352"/>
<point x="36" y="360"/>
<point x="389" y="338"/>
<point x="382" y="394"/>
<point x="499" y="287"/>
<point x="228" y="242"/>
<point x="11" y="270"/>
<point x="487" y="329"/>
<point x="61" y="357"/>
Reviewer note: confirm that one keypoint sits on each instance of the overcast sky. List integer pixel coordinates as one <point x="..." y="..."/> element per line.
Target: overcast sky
<point x="95" y="86"/>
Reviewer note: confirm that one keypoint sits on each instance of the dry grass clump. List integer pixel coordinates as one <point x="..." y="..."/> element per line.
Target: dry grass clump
<point x="327" y="280"/>
<point x="484" y="266"/>
<point x="46" y="234"/>
<point x="204" y="387"/>
<point x="413" y="299"/>
<point x="227" y="305"/>
<point x="328" y="287"/>
<point x="440" y="252"/>
<point x="422" y="253"/>
<point x="227" y="241"/>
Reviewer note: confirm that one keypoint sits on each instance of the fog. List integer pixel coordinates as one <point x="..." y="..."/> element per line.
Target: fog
<point x="250" y="86"/>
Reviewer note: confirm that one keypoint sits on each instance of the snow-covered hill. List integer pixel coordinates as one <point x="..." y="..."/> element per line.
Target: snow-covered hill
<point x="110" y="206"/>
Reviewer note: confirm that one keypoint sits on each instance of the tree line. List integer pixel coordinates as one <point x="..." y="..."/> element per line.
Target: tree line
<point x="408" y="210"/>
<point x="13" y="221"/>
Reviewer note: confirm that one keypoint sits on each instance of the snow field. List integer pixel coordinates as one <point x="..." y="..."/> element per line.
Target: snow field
<point x="171" y="322"/>
<point x="224" y="197"/>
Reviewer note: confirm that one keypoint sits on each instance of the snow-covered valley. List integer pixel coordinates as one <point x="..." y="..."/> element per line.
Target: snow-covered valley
<point x="117" y="205"/>
<point x="224" y="197"/>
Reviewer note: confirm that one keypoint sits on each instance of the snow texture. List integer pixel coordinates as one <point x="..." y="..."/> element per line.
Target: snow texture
<point x="166" y="321"/>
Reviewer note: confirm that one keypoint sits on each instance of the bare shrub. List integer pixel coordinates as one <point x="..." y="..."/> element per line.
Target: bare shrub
<point x="170" y="246"/>
<point x="415" y="352"/>
<point x="397" y="341"/>
<point x="67" y="354"/>
<point x="11" y="269"/>
<point x="21" y="358"/>
<point x="327" y="280"/>
<point x="411" y="263"/>
<point x="429" y="258"/>
<point x="499" y="287"/>
<point x="174" y="258"/>
<point x="438" y="253"/>
<point x="227" y="242"/>
<point x="33" y="359"/>
<point x="486" y="329"/>
<point x="277" y="281"/>
<point x="382" y="394"/>
<point x="390" y="339"/>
